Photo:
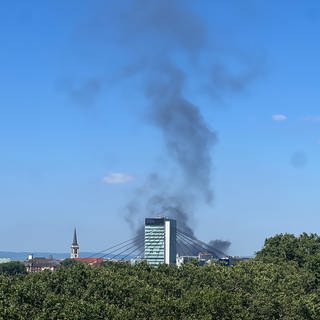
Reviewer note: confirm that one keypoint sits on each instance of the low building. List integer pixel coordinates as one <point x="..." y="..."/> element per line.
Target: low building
<point x="180" y="260"/>
<point x="37" y="264"/>
<point x="90" y="261"/>
<point x="137" y="260"/>
<point x="202" y="258"/>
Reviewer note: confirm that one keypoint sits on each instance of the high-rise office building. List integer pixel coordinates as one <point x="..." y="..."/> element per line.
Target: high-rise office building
<point x="160" y="240"/>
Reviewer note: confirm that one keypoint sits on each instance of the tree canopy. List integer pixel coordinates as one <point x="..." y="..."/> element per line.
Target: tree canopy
<point x="280" y="283"/>
<point x="12" y="268"/>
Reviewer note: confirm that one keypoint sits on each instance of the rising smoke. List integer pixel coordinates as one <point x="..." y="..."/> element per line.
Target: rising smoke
<point x="189" y="140"/>
<point x="164" y="40"/>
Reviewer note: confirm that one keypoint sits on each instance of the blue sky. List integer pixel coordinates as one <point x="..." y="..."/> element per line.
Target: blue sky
<point x="62" y="146"/>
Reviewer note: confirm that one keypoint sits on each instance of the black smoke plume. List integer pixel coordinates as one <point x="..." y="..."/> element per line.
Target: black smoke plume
<point x="167" y="44"/>
<point x="188" y="139"/>
<point x="221" y="245"/>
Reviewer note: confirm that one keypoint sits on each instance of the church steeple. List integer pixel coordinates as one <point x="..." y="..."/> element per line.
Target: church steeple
<point x="75" y="241"/>
<point x="74" y="246"/>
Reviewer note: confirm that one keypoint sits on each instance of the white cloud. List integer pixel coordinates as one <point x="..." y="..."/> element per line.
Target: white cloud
<point x="117" y="178"/>
<point x="279" y="117"/>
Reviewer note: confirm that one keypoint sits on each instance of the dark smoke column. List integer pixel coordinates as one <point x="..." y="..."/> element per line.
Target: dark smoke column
<point x="187" y="137"/>
<point x="159" y="30"/>
<point x="156" y="33"/>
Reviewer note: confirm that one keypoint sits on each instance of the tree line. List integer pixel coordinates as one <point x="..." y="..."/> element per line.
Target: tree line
<point x="281" y="282"/>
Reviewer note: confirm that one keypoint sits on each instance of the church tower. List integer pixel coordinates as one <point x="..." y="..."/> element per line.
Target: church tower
<point x="74" y="246"/>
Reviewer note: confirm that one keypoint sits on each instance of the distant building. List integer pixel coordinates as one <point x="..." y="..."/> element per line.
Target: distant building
<point x="180" y="260"/>
<point x="74" y="254"/>
<point x="232" y="260"/>
<point x="160" y="240"/>
<point x="90" y="261"/>
<point x="136" y="260"/>
<point x="74" y="246"/>
<point x="37" y="264"/>
<point x="205" y="256"/>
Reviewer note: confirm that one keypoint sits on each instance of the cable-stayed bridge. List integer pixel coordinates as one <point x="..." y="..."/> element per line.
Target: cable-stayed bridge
<point x="186" y="245"/>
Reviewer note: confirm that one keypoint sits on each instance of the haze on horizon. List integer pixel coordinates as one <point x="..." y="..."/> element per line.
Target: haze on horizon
<point x="84" y="96"/>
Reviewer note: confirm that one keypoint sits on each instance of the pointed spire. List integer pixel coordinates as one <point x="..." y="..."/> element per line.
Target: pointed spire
<point x="75" y="241"/>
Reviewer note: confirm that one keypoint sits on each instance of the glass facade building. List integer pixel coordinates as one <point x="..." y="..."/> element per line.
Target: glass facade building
<point x="160" y="240"/>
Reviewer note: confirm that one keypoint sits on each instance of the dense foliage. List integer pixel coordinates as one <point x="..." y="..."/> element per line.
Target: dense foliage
<point x="12" y="268"/>
<point x="274" y="285"/>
